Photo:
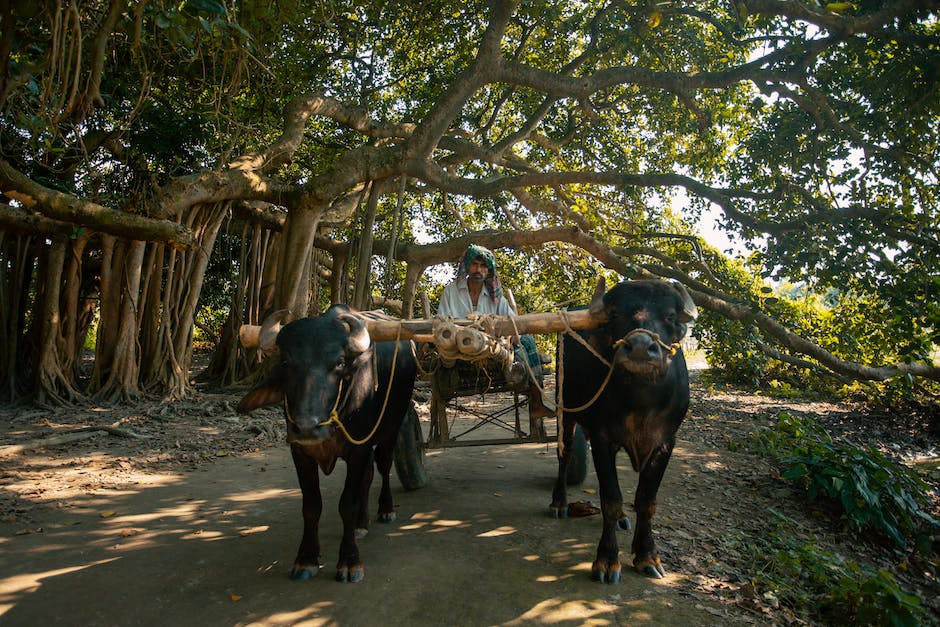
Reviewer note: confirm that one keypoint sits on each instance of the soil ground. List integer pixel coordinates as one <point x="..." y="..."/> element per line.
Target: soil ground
<point x="197" y="522"/>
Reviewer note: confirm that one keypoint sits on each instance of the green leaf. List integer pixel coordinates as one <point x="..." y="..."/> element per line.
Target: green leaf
<point x="205" y="6"/>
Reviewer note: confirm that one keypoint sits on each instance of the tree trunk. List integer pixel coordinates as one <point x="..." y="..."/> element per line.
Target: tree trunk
<point x="108" y="313"/>
<point x="72" y="308"/>
<point x="229" y="362"/>
<point x="87" y="305"/>
<point x="14" y="293"/>
<point x="296" y="244"/>
<point x="177" y="379"/>
<point x="413" y="273"/>
<point x="51" y="382"/>
<point x="119" y="377"/>
<point x="150" y="307"/>
<point x="361" y="292"/>
<point x="267" y="268"/>
<point x="337" y="290"/>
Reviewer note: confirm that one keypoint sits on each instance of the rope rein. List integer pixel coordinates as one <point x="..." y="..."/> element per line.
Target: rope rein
<point x="561" y="368"/>
<point x="560" y="407"/>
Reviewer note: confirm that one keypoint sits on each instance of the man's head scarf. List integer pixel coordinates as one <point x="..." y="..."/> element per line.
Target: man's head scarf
<point x="491" y="281"/>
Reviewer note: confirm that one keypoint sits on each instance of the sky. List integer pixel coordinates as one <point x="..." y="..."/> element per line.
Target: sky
<point x="707" y="227"/>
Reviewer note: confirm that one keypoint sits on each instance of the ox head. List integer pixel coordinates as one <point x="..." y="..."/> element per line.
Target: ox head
<point x="646" y="320"/>
<point x="317" y="360"/>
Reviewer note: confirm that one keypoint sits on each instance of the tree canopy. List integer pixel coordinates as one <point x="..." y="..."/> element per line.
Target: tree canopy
<point x="337" y="150"/>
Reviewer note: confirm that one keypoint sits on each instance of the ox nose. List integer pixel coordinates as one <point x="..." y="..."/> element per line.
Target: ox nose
<point x="641" y="346"/>
<point x="293" y="431"/>
<point x="307" y="431"/>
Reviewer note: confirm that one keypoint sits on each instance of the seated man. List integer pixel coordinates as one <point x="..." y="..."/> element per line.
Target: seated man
<point x="477" y="290"/>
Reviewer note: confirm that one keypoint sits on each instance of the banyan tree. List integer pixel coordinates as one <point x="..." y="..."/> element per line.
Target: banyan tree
<point x="310" y="152"/>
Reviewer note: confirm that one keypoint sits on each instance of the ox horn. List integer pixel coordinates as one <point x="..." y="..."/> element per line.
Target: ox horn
<point x="597" y="301"/>
<point x="265" y="336"/>
<point x="689" y="310"/>
<point x="359" y="339"/>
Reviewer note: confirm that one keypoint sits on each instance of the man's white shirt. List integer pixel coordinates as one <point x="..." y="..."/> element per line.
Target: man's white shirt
<point x="456" y="303"/>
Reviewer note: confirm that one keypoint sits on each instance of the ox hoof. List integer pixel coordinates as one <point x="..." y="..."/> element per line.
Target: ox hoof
<point x="558" y="511"/>
<point x="350" y="575"/>
<point x="302" y="572"/>
<point x="609" y="575"/>
<point x="624" y="524"/>
<point x="651" y="569"/>
<point x="360" y="533"/>
<point x="387" y="517"/>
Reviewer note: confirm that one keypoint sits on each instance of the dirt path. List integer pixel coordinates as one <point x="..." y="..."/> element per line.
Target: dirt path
<point x="198" y="525"/>
<point x="213" y="546"/>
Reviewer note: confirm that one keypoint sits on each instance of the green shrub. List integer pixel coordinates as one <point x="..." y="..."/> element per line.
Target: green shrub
<point x="872" y="492"/>
<point x="827" y="586"/>
<point x="209" y="323"/>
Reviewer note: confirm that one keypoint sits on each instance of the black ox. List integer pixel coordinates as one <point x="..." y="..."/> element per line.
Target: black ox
<point x="344" y="397"/>
<point x="636" y="359"/>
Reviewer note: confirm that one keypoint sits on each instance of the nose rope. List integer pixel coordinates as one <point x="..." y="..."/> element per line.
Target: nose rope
<point x="672" y="348"/>
<point x="334" y="413"/>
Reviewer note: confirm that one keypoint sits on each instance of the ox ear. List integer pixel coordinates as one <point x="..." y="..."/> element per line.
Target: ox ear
<point x="268" y="392"/>
<point x="272" y="325"/>
<point x="597" y="301"/>
<point x="359" y="339"/>
<point x="689" y="311"/>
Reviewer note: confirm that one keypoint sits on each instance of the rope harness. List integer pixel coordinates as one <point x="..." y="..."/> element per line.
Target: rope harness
<point x="560" y="407"/>
<point x="334" y="413"/>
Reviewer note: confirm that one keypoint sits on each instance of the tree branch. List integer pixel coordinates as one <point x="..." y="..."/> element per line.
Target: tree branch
<point x="835" y="22"/>
<point x="67" y="208"/>
<point x="725" y="305"/>
<point x="446" y="108"/>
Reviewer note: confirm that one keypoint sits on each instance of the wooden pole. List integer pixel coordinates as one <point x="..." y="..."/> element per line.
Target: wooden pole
<point x="420" y="330"/>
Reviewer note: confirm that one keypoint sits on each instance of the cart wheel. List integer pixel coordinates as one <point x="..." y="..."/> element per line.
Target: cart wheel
<point x="578" y="464"/>
<point x="409" y="453"/>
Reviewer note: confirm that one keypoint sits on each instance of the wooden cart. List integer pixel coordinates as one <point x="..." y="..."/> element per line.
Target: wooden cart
<point x="466" y="379"/>
<point x="450" y="387"/>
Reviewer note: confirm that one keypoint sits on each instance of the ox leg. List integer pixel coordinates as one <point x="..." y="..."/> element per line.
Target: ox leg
<point x="352" y="508"/>
<point x="606" y="566"/>
<point x="646" y="558"/>
<point x="362" y="505"/>
<point x="383" y="461"/>
<point x="559" y="506"/>
<point x="307" y="562"/>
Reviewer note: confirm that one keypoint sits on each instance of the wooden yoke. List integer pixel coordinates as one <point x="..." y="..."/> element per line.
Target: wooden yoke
<point x="384" y="328"/>
<point x="420" y="330"/>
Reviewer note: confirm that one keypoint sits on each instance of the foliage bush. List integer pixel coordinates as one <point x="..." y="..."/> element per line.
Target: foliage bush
<point x="845" y="321"/>
<point x="872" y="493"/>
<point x="824" y="584"/>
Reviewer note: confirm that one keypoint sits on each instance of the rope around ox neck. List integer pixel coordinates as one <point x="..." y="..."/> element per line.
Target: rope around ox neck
<point x="334" y="413"/>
